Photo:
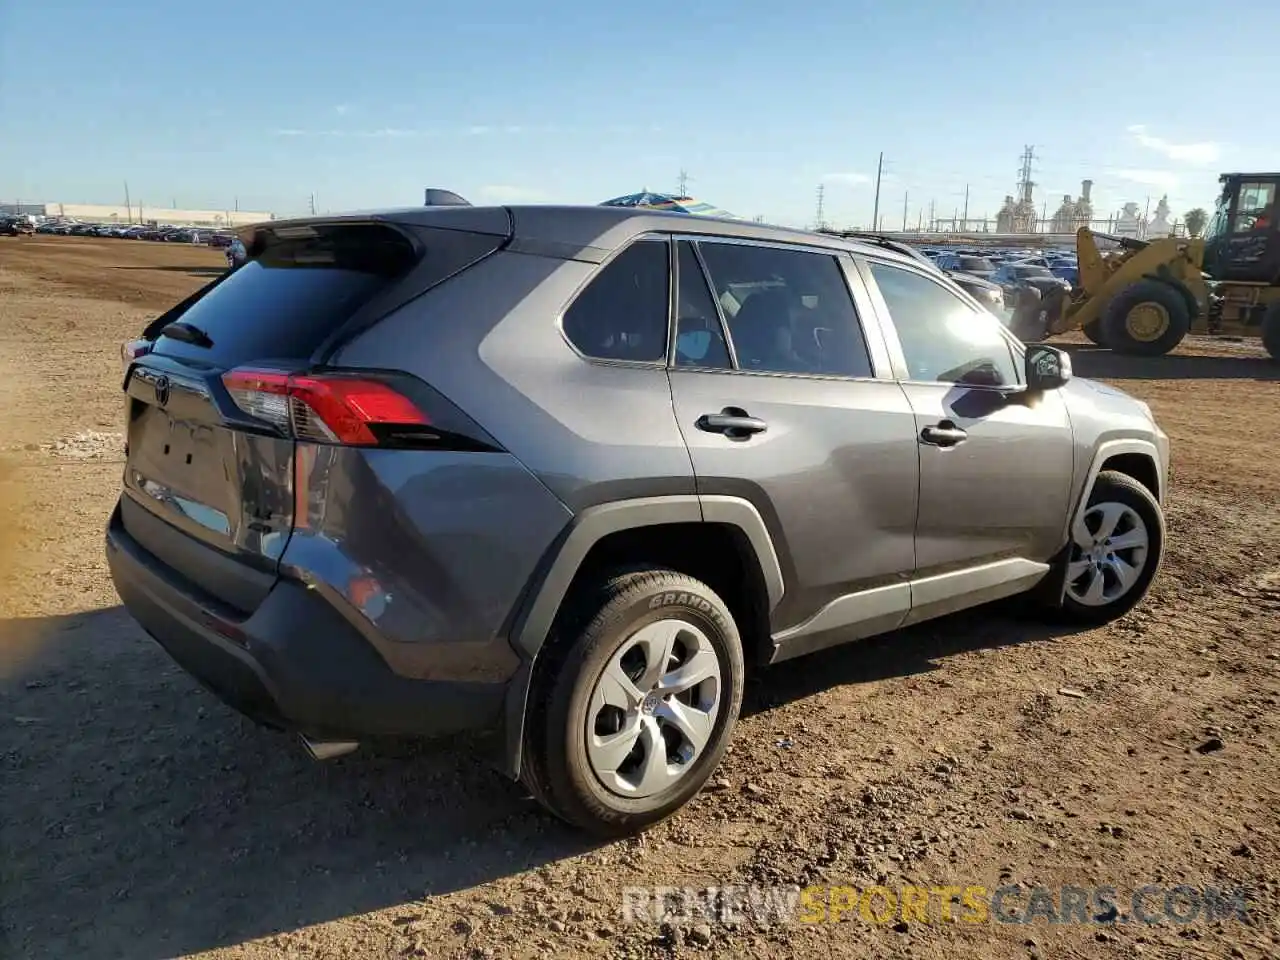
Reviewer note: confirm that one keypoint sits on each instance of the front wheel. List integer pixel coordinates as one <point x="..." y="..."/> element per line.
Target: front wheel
<point x="1148" y="318"/>
<point x="1271" y="330"/>
<point x="1116" y="547"/>
<point x="635" y="706"/>
<point x="1093" y="330"/>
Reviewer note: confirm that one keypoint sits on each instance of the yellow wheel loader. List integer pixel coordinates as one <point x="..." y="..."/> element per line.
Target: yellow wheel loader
<point x="1144" y="296"/>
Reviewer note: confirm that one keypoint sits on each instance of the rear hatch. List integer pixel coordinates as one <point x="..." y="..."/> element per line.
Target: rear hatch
<point x="222" y="389"/>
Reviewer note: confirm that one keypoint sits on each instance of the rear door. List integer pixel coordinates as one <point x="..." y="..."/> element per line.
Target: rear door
<point x="786" y="400"/>
<point x="212" y="416"/>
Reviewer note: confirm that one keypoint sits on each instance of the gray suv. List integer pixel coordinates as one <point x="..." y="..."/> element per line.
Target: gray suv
<point x="553" y="475"/>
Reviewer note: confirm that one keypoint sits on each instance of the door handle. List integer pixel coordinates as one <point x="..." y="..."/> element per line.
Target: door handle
<point x="943" y="434"/>
<point x="733" y="423"/>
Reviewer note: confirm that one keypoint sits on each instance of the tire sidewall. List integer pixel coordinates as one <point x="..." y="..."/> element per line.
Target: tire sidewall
<point x="677" y="598"/>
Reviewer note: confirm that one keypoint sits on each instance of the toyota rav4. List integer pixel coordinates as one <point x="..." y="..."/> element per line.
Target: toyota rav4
<point x="553" y="475"/>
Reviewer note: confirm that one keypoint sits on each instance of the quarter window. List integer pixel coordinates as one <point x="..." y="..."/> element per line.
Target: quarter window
<point x="943" y="338"/>
<point x="788" y="311"/>
<point x="622" y="313"/>
<point x="699" y="338"/>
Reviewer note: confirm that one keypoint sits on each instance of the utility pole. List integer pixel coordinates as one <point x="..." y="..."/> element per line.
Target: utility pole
<point x="820" y="221"/>
<point x="127" y="206"/>
<point x="932" y="219"/>
<point x="919" y="219"/>
<point x="312" y="201"/>
<point x="905" y="195"/>
<point x="875" y="213"/>
<point x="966" y="207"/>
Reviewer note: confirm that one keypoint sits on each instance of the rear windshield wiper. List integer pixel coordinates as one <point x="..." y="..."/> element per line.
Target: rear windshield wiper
<point x="187" y="333"/>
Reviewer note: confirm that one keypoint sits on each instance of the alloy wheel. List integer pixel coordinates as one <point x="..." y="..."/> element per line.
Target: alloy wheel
<point x="653" y="708"/>
<point x="1109" y="551"/>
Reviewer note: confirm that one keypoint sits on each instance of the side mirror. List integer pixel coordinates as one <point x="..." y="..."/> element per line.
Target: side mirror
<point x="1047" y="368"/>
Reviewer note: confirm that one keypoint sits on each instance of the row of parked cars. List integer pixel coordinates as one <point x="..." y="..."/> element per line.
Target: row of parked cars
<point x="167" y="233"/>
<point x="1011" y="269"/>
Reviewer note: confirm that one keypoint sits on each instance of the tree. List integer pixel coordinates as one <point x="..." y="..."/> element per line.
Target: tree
<point x="1196" y="219"/>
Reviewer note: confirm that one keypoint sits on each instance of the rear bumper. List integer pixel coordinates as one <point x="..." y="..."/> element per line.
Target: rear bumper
<point x="295" y="663"/>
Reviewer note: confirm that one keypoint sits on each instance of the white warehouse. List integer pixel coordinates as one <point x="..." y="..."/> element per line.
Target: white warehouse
<point x="141" y="213"/>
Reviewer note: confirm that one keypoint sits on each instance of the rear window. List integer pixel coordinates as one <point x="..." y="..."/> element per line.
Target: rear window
<point x="1031" y="272"/>
<point x="299" y="288"/>
<point x="976" y="263"/>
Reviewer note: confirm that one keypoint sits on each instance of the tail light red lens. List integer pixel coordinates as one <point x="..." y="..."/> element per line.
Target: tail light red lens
<point x="320" y="408"/>
<point x="131" y="350"/>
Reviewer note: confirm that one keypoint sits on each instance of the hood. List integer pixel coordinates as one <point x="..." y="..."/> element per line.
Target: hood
<point x="1044" y="283"/>
<point x="972" y="279"/>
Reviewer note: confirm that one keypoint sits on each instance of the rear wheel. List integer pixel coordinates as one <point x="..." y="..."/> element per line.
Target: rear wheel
<point x="634" y="707"/>
<point x="1148" y="318"/>
<point x="1271" y="330"/>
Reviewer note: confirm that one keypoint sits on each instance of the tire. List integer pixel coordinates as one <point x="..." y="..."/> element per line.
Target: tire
<point x="568" y="767"/>
<point x="1271" y="330"/>
<point x="1133" y="306"/>
<point x="1120" y="496"/>
<point x="1093" y="330"/>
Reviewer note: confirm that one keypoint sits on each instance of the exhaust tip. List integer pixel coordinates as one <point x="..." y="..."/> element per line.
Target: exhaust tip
<point x="329" y="749"/>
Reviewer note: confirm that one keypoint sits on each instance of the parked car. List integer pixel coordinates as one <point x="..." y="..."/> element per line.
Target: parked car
<point x="1014" y="276"/>
<point x="967" y="263"/>
<point x="495" y="477"/>
<point x="16" y="227"/>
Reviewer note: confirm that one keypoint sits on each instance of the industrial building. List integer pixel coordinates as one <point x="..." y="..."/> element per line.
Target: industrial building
<point x="138" y="213"/>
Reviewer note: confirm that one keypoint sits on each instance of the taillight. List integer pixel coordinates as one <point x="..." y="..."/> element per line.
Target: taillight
<point x="324" y="408"/>
<point x="131" y="350"/>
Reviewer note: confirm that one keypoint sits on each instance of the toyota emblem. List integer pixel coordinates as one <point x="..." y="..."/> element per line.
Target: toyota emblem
<point x="162" y="390"/>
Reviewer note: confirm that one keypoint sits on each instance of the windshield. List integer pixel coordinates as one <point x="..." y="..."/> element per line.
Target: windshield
<point x="1218" y="222"/>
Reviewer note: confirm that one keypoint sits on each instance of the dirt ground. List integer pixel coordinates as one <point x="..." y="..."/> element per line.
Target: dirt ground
<point x="142" y="819"/>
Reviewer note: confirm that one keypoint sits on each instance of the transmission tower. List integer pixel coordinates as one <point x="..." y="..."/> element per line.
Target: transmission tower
<point x="1025" y="183"/>
<point x="684" y="182"/>
<point x="822" y="189"/>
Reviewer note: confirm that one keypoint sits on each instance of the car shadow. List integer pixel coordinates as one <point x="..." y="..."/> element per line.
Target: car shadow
<point x="912" y="651"/>
<point x="190" y="271"/>
<point x="1102" y="364"/>
<point x="144" y="819"/>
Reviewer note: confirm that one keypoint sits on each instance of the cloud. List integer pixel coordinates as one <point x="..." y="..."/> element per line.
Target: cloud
<point x="1165" y="179"/>
<point x="847" y="179"/>
<point x="341" y="109"/>
<point x="503" y="193"/>
<point x="1205" y="152"/>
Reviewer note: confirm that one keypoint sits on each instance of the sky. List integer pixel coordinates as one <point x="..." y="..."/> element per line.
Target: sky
<point x="263" y="105"/>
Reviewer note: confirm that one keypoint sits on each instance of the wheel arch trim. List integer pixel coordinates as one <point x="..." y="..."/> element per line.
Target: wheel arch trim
<point x="1104" y="452"/>
<point x="539" y="610"/>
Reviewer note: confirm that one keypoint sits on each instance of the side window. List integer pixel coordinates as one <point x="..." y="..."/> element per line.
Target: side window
<point x="789" y="311"/>
<point x="943" y="339"/>
<point x="622" y="313"/>
<point x="699" y="339"/>
<point x="1255" y="210"/>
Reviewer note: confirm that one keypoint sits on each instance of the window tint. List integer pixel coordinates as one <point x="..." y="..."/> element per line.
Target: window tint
<point x="788" y="311"/>
<point x="699" y="338"/>
<point x="942" y="338"/>
<point x="622" y="313"/>
<point x="296" y="291"/>
<point x="1255" y="210"/>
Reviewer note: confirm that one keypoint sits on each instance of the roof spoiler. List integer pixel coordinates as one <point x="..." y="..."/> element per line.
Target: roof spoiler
<point x="435" y="197"/>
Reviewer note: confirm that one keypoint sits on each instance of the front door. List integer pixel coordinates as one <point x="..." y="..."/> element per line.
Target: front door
<point x="995" y="464"/>
<point x="776" y="391"/>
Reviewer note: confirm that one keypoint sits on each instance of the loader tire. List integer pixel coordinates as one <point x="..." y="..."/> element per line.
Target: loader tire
<point x="1147" y="318"/>
<point x="1093" y="330"/>
<point x="1271" y="330"/>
